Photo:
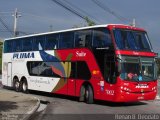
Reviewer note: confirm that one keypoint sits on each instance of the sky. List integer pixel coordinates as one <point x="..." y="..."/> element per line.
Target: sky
<point x="39" y="16"/>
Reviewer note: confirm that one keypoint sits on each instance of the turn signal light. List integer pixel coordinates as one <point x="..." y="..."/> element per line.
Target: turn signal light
<point x="95" y="72"/>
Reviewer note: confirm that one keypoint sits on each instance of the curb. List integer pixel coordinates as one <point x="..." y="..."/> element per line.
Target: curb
<point x="157" y="97"/>
<point x="31" y="112"/>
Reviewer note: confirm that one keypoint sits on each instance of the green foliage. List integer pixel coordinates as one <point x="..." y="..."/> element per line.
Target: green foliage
<point x="89" y="21"/>
<point x="1" y="47"/>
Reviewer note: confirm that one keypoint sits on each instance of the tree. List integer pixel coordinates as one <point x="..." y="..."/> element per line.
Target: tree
<point x="89" y="22"/>
<point x="1" y="47"/>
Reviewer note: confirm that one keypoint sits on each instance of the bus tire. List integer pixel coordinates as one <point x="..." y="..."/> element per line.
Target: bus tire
<point x="24" y="86"/>
<point x="89" y="95"/>
<point x="16" y="85"/>
<point x="82" y="94"/>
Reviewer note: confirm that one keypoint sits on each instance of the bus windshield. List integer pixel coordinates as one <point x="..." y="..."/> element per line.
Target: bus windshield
<point x="132" y="40"/>
<point x="143" y="71"/>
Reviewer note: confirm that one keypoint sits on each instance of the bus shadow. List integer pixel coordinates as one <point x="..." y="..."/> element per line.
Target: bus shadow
<point x="97" y="102"/>
<point x="119" y="104"/>
<point x="75" y="99"/>
<point x="46" y="94"/>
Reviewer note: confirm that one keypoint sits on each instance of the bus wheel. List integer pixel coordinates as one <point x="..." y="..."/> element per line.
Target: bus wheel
<point x="82" y="94"/>
<point x="89" y="95"/>
<point x="16" y="85"/>
<point x="24" y="86"/>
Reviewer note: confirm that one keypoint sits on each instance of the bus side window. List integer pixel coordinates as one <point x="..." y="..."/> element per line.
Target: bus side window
<point x="66" y="40"/>
<point x="79" y="70"/>
<point x="39" y="43"/>
<point x="17" y="45"/>
<point x="33" y="68"/>
<point x="72" y="74"/>
<point x="81" y="41"/>
<point x="43" y="69"/>
<point x="8" y="45"/>
<point x="83" y="38"/>
<point x="27" y="44"/>
<point x="102" y="38"/>
<point x="82" y="71"/>
<point x="88" y="41"/>
<point x="52" y="42"/>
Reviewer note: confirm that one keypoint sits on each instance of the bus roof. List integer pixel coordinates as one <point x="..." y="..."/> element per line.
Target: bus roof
<point x="73" y="29"/>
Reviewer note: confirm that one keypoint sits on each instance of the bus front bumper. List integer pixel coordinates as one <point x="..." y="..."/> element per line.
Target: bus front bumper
<point x="125" y="96"/>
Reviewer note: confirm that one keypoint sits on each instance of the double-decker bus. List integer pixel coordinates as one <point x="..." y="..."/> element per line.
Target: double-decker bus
<point x="104" y="62"/>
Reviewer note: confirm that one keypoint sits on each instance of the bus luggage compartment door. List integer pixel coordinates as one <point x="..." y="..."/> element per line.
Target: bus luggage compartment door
<point x="9" y="75"/>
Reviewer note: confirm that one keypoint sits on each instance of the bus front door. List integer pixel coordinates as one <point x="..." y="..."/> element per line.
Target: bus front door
<point x="9" y="74"/>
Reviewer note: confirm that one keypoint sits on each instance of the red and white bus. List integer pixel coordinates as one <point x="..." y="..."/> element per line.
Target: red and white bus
<point x="104" y="62"/>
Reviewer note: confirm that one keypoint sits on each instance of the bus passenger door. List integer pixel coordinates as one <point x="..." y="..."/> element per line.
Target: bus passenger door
<point x="71" y="82"/>
<point x="71" y="87"/>
<point x="9" y="74"/>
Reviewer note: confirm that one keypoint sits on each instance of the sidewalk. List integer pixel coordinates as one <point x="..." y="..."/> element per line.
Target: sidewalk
<point x="17" y="106"/>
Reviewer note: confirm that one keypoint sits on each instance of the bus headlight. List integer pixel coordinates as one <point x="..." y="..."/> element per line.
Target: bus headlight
<point x="154" y="88"/>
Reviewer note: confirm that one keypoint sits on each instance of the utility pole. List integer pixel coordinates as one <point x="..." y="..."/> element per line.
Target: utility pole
<point x="134" y="22"/>
<point x="16" y="16"/>
<point x="51" y="28"/>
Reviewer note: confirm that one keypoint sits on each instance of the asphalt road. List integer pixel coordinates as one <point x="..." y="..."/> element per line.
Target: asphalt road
<point x="68" y="108"/>
<point x="60" y="107"/>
